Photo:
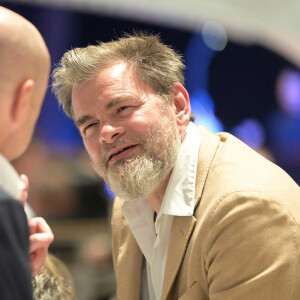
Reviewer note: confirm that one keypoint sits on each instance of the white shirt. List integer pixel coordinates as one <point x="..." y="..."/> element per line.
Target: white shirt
<point x="153" y="238"/>
<point x="11" y="183"/>
<point x="9" y="179"/>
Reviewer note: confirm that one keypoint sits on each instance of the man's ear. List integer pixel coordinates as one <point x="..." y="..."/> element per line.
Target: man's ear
<point x="22" y="99"/>
<point x="181" y="102"/>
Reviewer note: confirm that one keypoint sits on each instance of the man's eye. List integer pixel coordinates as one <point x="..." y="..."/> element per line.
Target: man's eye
<point x="120" y="109"/>
<point x="88" y="126"/>
<point x="87" y="129"/>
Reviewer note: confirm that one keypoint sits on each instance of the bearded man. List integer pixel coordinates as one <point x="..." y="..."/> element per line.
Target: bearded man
<point x="197" y="215"/>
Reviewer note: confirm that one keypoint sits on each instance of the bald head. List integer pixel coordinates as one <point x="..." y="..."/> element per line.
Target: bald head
<point x="23" y="52"/>
<point x="24" y="72"/>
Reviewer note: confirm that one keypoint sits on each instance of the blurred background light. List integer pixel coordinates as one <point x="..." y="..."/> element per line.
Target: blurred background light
<point x="214" y="36"/>
<point x="288" y="92"/>
<point x="251" y="132"/>
<point x="203" y="110"/>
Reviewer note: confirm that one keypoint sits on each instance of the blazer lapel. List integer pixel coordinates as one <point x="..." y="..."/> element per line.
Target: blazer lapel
<point x="181" y="230"/>
<point x="208" y="148"/>
<point x="183" y="226"/>
<point x="129" y="266"/>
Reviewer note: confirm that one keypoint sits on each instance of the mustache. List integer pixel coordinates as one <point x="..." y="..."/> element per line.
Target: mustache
<point x="123" y="140"/>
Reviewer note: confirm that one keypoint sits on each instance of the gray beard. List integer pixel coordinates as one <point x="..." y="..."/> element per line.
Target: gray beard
<point x="136" y="177"/>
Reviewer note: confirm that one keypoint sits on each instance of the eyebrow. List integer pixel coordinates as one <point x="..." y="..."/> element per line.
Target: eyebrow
<point x="82" y="120"/>
<point x="117" y="100"/>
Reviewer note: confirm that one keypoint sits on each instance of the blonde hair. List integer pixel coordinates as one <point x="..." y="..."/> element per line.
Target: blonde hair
<point x="154" y="63"/>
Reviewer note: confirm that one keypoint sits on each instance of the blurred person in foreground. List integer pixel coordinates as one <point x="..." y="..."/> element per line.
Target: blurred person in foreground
<point x="197" y="215"/>
<point x="54" y="281"/>
<point x="24" y="71"/>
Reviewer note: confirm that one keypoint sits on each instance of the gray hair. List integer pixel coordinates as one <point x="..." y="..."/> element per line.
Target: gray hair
<point x="54" y="281"/>
<point x="154" y="63"/>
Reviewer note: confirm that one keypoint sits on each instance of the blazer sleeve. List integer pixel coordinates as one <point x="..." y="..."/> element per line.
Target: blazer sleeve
<point x="15" y="270"/>
<point x="252" y="250"/>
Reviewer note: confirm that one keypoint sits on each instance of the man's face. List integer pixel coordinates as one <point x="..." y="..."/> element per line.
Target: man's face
<point x="129" y="132"/>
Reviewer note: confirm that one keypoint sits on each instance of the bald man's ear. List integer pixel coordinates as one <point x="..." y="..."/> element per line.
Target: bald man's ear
<point x="182" y="107"/>
<point x="22" y="99"/>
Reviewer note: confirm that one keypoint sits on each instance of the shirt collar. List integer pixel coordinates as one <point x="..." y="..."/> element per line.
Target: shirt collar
<point x="139" y="215"/>
<point x="180" y="193"/>
<point x="9" y="178"/>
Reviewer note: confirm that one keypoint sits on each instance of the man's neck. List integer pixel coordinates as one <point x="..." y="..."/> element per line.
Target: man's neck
<point x="155" y="199"/>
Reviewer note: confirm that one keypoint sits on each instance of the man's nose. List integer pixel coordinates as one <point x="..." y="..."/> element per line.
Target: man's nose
<point x="109" y="133"/>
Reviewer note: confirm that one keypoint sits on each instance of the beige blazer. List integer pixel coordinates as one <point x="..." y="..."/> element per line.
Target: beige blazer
<point x="243" y="241"/>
